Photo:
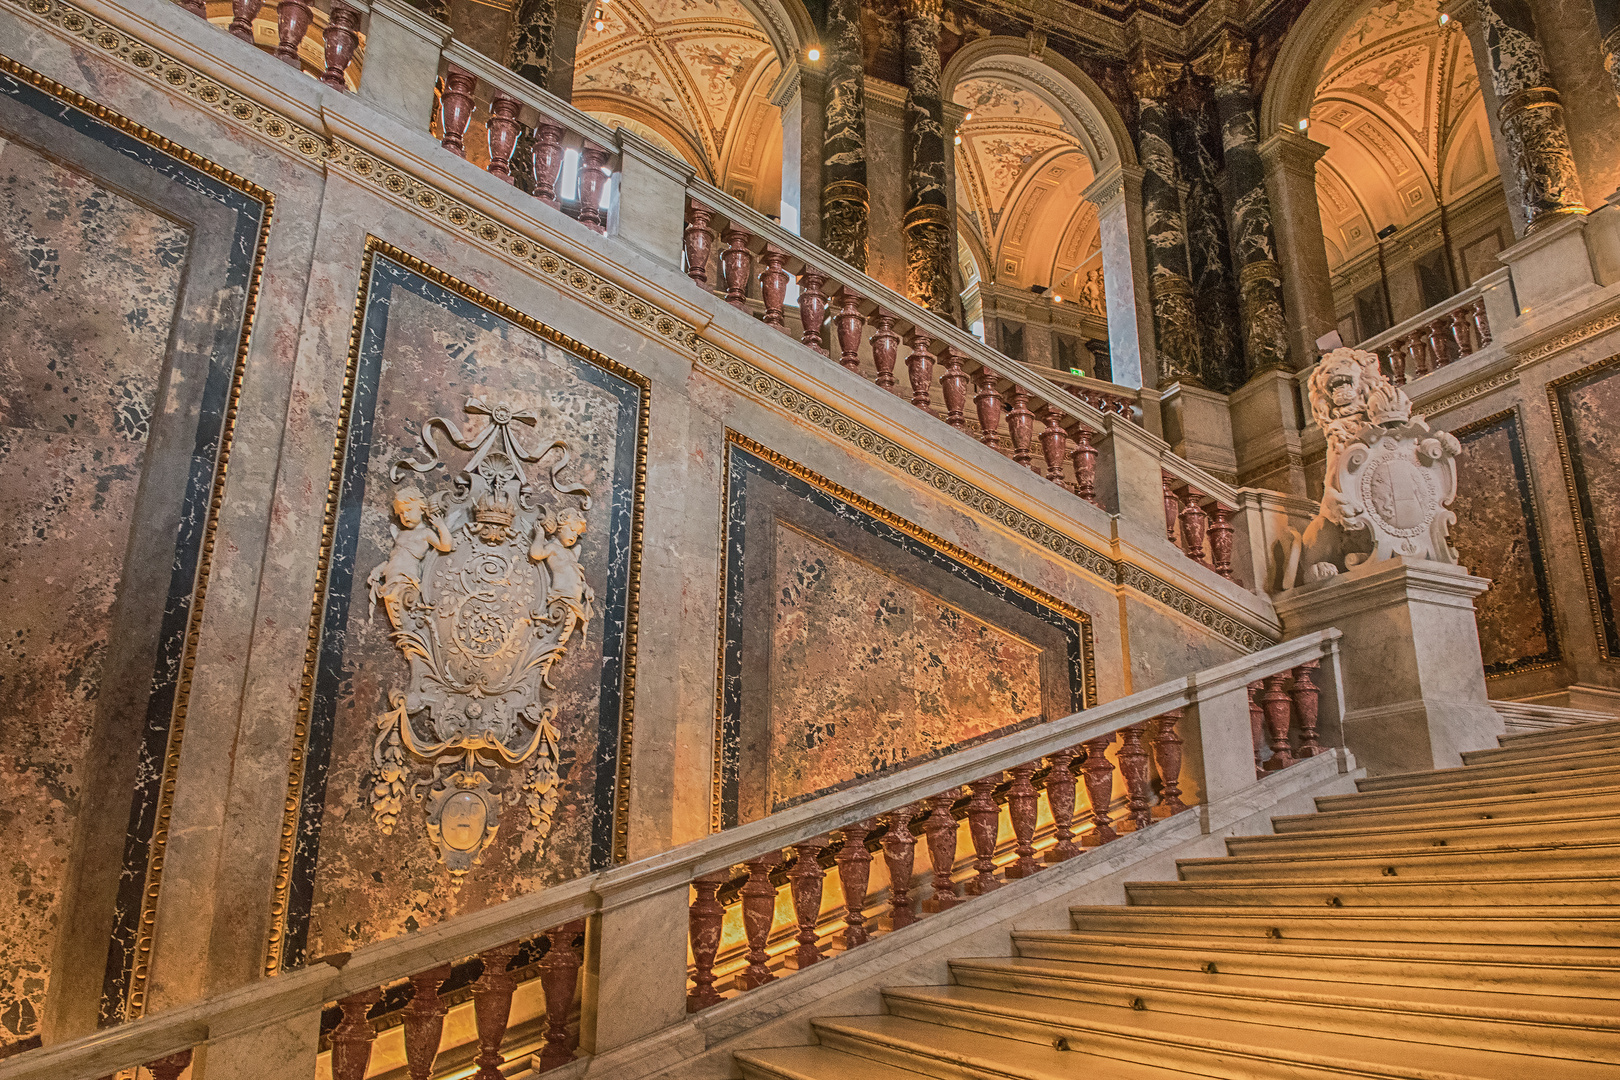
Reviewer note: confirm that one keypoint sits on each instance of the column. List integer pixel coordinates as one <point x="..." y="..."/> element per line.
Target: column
<point x="1608" y="27"/>
<point x="1290" y="161"/>
<point x="1532" y="115"/>
<point x="1572" y="44"/>
<point x="1248" y="206"/>
<point x="1215" y="296"/>
<point x="843" y="198"/>
<point x="926" y="224"/>
<point x="1117" y="195"/>
<point x="1175" y="323"/>
<point x="530" y="43"/>
<point x="800" y="93"/>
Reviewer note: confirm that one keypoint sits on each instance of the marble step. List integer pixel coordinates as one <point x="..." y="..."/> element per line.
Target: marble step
<point x="1573" y="743"/>
<point x="1534" y="927"/>
<point x="1584" y="801"/>
<point x="1463" y="789"/>
<point x="1484" y="889"/>
<point x="1429" y="863"/>
<point x="815" y="1063"/>
<point x="1229" y="1048"/>
<point x="1553" y="737"/>
<point x="1560" y="763"/>
<point x="1531" y="969"/>
<point x="1462" y="834"/>
<point x="1562" y="1027"/>
<point x="901" y="1043"/>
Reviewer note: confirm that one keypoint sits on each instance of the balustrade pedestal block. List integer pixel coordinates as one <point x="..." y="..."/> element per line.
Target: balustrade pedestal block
<point x="1413" y="683"/>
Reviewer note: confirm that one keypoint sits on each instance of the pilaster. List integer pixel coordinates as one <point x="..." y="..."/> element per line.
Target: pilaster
<point x="1289" y="160"/>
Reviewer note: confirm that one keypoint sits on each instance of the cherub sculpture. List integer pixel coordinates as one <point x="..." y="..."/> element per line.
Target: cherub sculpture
<point x="420" y="528"/>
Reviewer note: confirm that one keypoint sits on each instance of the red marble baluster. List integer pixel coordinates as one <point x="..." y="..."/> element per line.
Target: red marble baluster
<point x="170" y="1067"/>
<point x="1054" y="443"/>
<point x="1257" y="725"/>
<point x="559" y="979"/>
<point x="492" y="1009"/>
<point x="503" y="132"/>
<point x="292" y="23"/>
<point x="339" y="42"/>
<point x="196" y="7"/>
<point x="548" y="162"/>
<point x="1417" y="350"/>
<point x="1060" y="797"/>
<point x="1306" y="704"/>
<point x="920" y="369"/>
<point x="1166" y="740"/>
<point x="812" y="307"/>
<point x="1439" y="332"/>
<point x="773" y="283"/>
<point x="1133" y="766"/>
<point x="697" y="239"/>
<point x="1462" y="331"/>
<point x="1023" y="806"/>
<point x="988" y="401"/>
<point x="805" y="881"/>
<point x="1220" y="539"/>
<point x="1085" y="465"/>
<point x="456" y="109"/>
<point x="953" y="384"/>
<point x="850" y="323"/>
<point x="1194" y="524"/>
<point x="854" y="871"/>
<point x="900" y="856"/>
<point x="424" y="1021"/>
<point x="940" y="828"/>
<point x="352" y="1038"/>
<point x="1397" y="364"/>
<point x="591" y="181"/>
<point x="243" y="12"/>
<point x="885" y="347"/>
<point x="758" y="909"/>
<point x="703" y="922"/>
<point x="1021" y="427"/>
<point x="984" y="826"/>
<point x="1482" y="324"/>
<point x="1098" y="772"/>
<point x="1278" y="707"/>
<point x="1172" y="506"/>
<point x="737" y="266"/>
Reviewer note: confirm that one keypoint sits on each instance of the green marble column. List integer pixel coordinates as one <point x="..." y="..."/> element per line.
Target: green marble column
<point x="531" y="43"/>
<point x="844" y="205"/>
<point x="927" y="222"/>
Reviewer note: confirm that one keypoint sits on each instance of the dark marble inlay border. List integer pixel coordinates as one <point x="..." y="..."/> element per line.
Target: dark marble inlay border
<point x="63" y="122"/>
<point x="386" y="267"/>
<point x="1578" y="485"/>
<point x="748" y="461"/>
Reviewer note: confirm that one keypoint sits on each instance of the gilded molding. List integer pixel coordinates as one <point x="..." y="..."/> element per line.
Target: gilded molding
<point x="1583" y="549"/>
<point x="406" y="190"/>
<point x="1588" y="329"/>
<point x="1469" y="393"/>
<point x="146" y="926"/>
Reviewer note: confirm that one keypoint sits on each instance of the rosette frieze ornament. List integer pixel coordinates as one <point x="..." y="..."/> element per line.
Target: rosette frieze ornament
<point x="484" y="592"/>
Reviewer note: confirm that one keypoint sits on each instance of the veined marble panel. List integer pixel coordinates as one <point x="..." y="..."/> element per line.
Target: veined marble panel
<point x="854" y="643"/>
<point x="1584" y="407"/>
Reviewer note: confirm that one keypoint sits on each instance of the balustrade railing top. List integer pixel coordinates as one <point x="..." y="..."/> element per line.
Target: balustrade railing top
<point x="1451" y="330"/>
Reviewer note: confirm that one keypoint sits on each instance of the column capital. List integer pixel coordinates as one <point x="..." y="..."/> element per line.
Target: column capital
<point x="1150" y="77"/>
<point x="1288" y="149"/>
<point x="924" y="9"/>
<point x="1107" y="191"/>
<point x="1226" y="61"/>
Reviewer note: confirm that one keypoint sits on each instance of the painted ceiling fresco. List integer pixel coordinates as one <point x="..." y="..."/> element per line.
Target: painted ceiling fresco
<point x="1400" y="111"/>
<point x="694" y="73"/>
<point x="1020" y="171"/>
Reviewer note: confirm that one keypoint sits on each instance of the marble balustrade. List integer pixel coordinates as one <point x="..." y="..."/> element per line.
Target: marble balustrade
<point x="1451" y="330"/>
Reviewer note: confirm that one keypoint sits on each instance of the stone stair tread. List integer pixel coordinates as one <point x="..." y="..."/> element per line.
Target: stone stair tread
<point x="1585" y="783"/>
<point x="816" y="1063"/>
<point x="1574" y="849"/>
<point x="1490" y="890"/>
<point x="1411" y="835"/>
<point x="1499" y="807"/>
<point x="1596" y="958"/>
<point x="955" y="1006"/>
<point x="1571" y="743"/>
<point x="1543" y="738"/>
<point x="986" y="1054"/>
<point x="1593" y="1012"/>
<point x="1567" y="762"/>
<point x="1526" y="925"/>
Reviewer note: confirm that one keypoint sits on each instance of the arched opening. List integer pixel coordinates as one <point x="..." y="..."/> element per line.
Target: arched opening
<point x="1029" y="150"/>
<point x="694" y="77"/>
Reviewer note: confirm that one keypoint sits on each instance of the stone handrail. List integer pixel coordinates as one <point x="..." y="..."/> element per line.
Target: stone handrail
<point x="1245" y="719"/>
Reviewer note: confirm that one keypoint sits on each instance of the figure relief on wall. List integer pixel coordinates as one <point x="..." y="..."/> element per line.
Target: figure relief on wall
<point x="484" y="591"/>
<point x="1389" y="478"/>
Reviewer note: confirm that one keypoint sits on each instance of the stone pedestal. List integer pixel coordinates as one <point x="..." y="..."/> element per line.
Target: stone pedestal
<point x="1198" y="426"/>
<point x="1414" y="684"/>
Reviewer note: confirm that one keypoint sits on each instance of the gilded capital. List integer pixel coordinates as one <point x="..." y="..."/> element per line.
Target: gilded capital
<point x="924" y="9"/>
<point x="1226" y="61"/>
<point x="1151" y="78"/>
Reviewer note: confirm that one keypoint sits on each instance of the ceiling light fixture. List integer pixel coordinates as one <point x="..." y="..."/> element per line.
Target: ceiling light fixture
<point x="813" y="55"/>
<point x="959" y="140"/>
<point x="1304" y="123"/>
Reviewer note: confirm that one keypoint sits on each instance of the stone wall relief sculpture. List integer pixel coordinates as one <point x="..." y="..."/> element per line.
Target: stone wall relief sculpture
<point x="484" y="591"/>
<point x="1389" y="477"/>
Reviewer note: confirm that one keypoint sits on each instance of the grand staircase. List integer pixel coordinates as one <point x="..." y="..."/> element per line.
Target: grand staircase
<point x="1457" y="923"/>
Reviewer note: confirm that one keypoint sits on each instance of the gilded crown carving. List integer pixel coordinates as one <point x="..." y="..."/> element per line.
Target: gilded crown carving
<point x="484" y="590"/>
<point x="1226" y="61"/>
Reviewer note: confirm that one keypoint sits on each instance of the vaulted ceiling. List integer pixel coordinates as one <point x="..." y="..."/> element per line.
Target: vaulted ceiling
<point x="1400" y="110"/>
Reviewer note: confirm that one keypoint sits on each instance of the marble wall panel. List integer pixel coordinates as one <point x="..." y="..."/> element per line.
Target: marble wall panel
<point x="427" y="348"/>
<point x="124" y="276"/>
<point x="1497" y="537"/>
<point x="1585" y="405"/>
<point x="854" y="644"/>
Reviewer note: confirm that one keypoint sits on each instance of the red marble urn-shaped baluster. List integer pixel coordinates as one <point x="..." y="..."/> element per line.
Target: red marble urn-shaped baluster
<point x="592" y="179"/>
<point x="243" y="12"/>
<point x="1306" y="703"/>
<point x="1085" y="465"/>
<point x="492" y="1009"/>
<point x="805" y="878"/>
<point x="1462" y="331"/>
<point x="292" y="23"/>
<point x="503" y="133"/>
<point x="812" y="307"/>
<point x="703" y="922"/>
<point x="1220" y="539"/>
<point x="885" y="347"/>
<point x="1054" y="443"/>
<point x="854" y="871"/>
<point x="988" y="402"/>
<point x="900" y="858"/>
<point x="1172" y="506"/>
<point x="353" y="1036"/>
<point x="196" y="7"/>
<point x="984" y="826"/>
<point x="940" y="828"/>
<point x="737" y="264"/>
<point x="559" y="980"/>
<point x="1023" y="807"/>
<point x="920" y="368"/>
<point x="1021" y="427"/>
<point x="1166" y="742"/>
<point x="773" y="283"/>
<point x="953" y="383"/>
<point x="1278" y="706"/>
<point x="424" y="1021"/>
<point x="697" y="238"/>
<point x="1194" y="524"/>
<point x="1098" y="772"/>
<point x="1060" y="798"/>
<point x="1482" y="323"/>
<point x="548" y="163"/>
<point x="1133" y="766"/>
<point x="456" y="109"/>
<point x="851" y="326"/>
<point x="759" y="909"/>
<point x="170" y="1067"/>
<point x="341" y="39"/>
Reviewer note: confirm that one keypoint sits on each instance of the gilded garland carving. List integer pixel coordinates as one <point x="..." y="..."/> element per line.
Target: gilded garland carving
<point x="485" y="593"/>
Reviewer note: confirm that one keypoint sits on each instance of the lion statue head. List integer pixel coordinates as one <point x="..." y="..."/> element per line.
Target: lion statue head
<point x="1346" y="389"/>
